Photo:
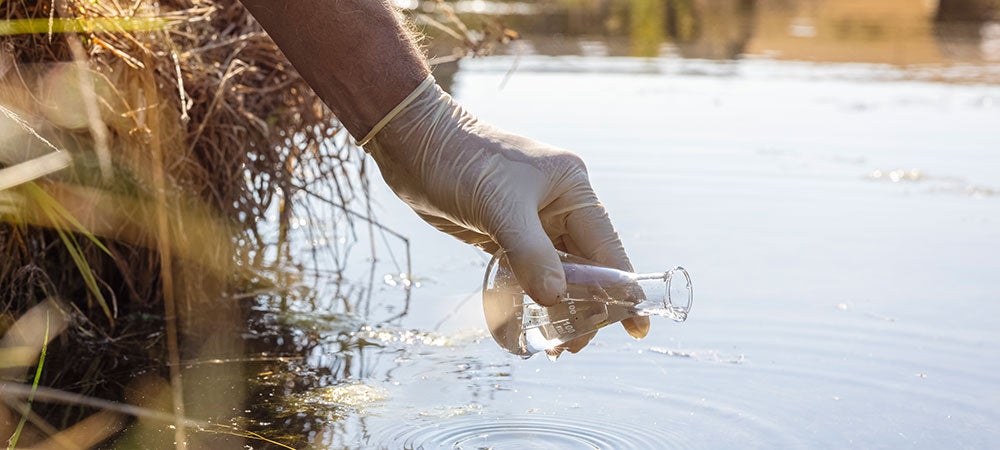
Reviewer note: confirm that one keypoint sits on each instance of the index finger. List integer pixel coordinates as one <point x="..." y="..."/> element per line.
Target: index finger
<point x="592" y="236"/>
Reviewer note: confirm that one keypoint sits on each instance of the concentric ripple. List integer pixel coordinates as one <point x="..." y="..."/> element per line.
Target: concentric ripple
<point x="535" y="432"/>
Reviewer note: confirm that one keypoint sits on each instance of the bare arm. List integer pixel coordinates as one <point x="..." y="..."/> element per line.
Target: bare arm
<point x="354" y="54"/>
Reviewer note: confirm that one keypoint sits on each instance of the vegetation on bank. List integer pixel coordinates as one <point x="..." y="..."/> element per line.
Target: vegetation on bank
<point x="152" y="158"/>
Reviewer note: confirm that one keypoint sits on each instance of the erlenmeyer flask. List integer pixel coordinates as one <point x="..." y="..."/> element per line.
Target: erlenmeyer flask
<point x="596" y="296"/>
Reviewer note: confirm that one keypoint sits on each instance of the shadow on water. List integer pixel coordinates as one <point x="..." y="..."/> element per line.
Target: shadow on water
<point x="311" y="387"/>
<point x="318" y="357"/>
<point x="324" y="368"/>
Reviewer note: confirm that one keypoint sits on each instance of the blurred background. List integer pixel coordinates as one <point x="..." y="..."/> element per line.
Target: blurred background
<point x="900" y="33"/>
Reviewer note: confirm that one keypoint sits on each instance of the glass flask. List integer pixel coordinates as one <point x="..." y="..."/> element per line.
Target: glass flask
<point x="596" y="296"/>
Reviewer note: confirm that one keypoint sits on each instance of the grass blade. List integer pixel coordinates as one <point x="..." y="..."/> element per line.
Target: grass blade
<point x="34" y="387"/>
<point x="64" y="222"/>
<point x="32" y="169"/>
<point x="81" y="25"/>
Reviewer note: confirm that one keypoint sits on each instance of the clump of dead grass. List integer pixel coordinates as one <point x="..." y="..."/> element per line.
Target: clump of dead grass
<point x="182" y="126"/>
<point x="141" y="145"/>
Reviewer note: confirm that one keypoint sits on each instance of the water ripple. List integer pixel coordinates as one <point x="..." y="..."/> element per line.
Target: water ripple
<point x="537" y="432"/>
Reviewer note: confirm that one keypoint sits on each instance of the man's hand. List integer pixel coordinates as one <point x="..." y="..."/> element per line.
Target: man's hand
<point x="494" y="190"/>
<point x="482" y="185"/>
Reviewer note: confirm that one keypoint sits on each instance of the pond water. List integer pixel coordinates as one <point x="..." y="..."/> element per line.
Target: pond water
<point x="841" y="223"/>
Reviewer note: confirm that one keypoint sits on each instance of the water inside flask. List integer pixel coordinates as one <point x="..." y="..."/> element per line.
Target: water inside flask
<point x="596" y="297"/>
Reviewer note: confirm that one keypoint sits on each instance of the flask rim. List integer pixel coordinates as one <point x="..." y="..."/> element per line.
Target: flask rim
<point x="689" y="289"/>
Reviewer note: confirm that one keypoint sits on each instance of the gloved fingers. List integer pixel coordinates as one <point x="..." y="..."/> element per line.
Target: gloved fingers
<point x="591" y="233"/>
<point x="592" y="236"/>
<point x="574" y="346"/>
<point x="637" y="327"/>
<point x="579" y="343"/>
<point x="532" y="257"/>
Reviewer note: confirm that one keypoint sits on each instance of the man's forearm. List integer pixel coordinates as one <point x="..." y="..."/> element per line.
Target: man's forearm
<point x="354" y="53"/>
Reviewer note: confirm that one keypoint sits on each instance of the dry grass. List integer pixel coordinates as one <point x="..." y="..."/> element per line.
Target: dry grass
<point x="182" y="125"/>
<point x="141" y="144"/>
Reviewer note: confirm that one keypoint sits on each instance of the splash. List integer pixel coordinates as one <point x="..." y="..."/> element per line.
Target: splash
<point x="707" y="355"/>
<point x="409" y="338"/>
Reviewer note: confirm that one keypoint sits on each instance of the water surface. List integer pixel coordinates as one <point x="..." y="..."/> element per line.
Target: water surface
<point x="841" y="223"/>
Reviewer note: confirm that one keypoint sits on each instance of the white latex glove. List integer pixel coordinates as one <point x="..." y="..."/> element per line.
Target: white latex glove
<point x="494" y="189"/>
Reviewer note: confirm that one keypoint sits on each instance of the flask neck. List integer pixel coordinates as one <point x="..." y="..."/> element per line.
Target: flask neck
<point x="665" y="294"/>
<point x="596" y="296"/>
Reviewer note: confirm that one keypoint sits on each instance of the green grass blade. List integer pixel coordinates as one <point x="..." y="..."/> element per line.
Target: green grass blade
<point x="34" y="387"/>
<point x="64" y="222"/>
<point x="73" y="247"/>
<point x="81" y="25"/>
<point x="57" y="209"/>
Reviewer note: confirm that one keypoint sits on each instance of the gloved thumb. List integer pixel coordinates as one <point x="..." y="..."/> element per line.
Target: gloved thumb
<point x="533" y="258"/>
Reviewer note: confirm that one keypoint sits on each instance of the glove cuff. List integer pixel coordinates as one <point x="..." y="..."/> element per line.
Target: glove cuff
<point x="428" y="82"/>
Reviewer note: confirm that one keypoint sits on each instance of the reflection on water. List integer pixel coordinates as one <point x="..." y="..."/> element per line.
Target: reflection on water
<point x="710" y="30"/>
<point x="899" y="32"/>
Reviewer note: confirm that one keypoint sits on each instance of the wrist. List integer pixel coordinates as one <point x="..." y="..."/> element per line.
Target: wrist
<point x="426" y="120"/>
<point x="373" y="101"/>
<point x="427" y="84"/>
